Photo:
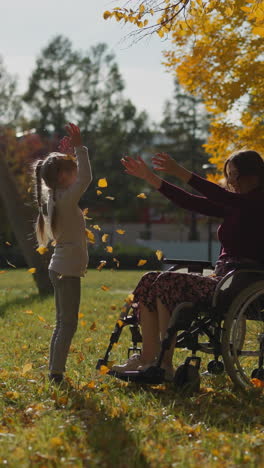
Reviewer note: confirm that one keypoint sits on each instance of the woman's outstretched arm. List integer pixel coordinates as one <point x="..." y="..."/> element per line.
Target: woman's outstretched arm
<point x="138" y="168"/>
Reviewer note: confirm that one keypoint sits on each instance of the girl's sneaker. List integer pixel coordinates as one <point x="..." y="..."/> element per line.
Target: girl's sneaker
<point x="132" y="364"/>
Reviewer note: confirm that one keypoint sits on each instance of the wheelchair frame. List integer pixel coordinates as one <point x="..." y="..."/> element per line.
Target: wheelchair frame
<point x="208" y="320"/>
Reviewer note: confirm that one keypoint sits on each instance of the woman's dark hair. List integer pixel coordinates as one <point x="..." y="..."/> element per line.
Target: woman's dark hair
<point x="247" y="163"/>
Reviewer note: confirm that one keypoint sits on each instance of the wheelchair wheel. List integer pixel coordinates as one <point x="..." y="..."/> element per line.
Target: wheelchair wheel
<point x="243" y="336"/>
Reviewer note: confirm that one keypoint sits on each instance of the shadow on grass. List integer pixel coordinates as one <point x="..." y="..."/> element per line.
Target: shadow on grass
<point x="108" y="438"/>
<point x="219" y="406"/>
<point x="19" y="302"/>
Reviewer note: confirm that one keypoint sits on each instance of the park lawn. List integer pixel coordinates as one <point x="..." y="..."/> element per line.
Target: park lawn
<point x="100" y="421"/>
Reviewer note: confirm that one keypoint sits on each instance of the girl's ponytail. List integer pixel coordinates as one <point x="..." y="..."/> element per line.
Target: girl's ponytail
<point x="40" y="226"/>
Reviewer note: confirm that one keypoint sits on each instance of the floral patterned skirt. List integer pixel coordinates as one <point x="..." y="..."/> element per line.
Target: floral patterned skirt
<point x="172" y="288"/>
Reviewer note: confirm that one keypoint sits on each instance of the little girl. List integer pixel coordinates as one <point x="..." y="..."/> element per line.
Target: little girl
<point x="66" y="178"/>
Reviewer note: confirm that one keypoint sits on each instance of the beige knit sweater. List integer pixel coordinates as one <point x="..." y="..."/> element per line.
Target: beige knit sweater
<point x="70" y="257"/>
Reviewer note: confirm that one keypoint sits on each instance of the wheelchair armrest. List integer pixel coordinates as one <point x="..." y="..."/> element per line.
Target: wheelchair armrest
<point x="194" y="266"/>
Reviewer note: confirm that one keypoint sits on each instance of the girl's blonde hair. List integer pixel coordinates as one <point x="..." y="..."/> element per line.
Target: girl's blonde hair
<point x="48" y="171"/>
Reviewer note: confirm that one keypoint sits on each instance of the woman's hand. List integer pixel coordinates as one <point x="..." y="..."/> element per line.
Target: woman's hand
<point x="163" y="162"/>
<point x="138" y="168"/>
<point x="74" y="134"/>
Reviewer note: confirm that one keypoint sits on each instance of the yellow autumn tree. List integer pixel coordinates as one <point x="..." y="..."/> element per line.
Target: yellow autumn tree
<point x="217" y="53"/>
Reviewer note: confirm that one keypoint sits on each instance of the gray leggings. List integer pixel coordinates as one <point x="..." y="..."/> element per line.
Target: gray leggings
<point x="67" y="292"/>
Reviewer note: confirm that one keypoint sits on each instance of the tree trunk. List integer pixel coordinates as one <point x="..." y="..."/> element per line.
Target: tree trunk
<point x="21" y="218"/>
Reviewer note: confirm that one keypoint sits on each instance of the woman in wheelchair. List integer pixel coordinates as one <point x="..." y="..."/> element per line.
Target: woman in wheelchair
<point x="241" y="236"/>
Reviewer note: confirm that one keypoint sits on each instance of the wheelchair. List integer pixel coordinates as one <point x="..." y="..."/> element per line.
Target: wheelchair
<point x="231" y="329"/>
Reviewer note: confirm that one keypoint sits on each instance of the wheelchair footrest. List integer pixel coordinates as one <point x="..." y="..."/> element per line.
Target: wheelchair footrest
<point x="153" y="375"/>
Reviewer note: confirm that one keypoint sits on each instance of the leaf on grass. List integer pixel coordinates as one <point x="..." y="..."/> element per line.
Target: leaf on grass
<point x="141" y="262"/>
<point x="105" y="288"/>
<point x="159" y="255"/>
<point x="141" y="195"/>
<point x="88" y="340"/>
<point x="102" y="183"/>
<point x="83" y="323"/>
<point x="12" y="395"/>
<point x="91" y="384"/>
<point x="104" y="370"/>
<point x="80" y="315"/>
<point x="26" y="368"/>
<point x="101" y="266"/>
<point x="90" y="235"/>
<point x="2" y="272"/>
<point x="120" y="231"/>
<point x="93" y="326"/>
<point x="32" y="270"/>
<point x="109" y="249"/>
<point x="113" y="307"/>
<point x="41" y="318"/>
<point x="56" y="442"/>
<point x="105" y="237"/>
<point x="42" y="250"/>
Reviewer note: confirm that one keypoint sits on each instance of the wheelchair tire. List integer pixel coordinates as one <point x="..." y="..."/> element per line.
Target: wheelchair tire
<point x="243" y="330"/>
<point x="187" y="379"/>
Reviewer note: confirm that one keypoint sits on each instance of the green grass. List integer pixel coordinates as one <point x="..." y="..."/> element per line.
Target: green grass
<point x="100" y="421"/>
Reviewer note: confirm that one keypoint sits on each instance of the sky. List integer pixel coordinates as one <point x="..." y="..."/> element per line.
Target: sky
<point x="26" y="27"/>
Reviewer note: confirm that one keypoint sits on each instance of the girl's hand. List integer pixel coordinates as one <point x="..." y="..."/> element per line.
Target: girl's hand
<point x="136" y="167"/>
<point x="74" y="134"/>
<point x="163" y="162"/>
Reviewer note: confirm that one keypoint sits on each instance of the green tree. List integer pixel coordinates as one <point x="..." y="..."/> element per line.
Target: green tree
<point x="88" y="89"/>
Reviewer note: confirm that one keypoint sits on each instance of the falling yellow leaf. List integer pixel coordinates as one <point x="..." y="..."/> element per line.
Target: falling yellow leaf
<point x="141" y="262"/>
<point x="80" y="357"/>
<point x="116" y="261"/>
<point x="120" y="323"/>
<point x="105" y="237"/>
<point x="10" y="264"/>
<point x="95" y="226"/>
<point x="41" y="318"/>
<point x="99" y="192"/>
<point x="109" y="249"/>
<point x="159" y="255"/>
<point x="93" y="326"/>
<point x="101" y="266"/>
<point x="29" y="190"/>
<point x="80" y="315"/>
<point x="110" y="198"/>
<point x="32" y="270"/>
<point x="105" y="288"/>
<point x="102" y="183"/>
<point x="129" y="298"/>
<point x="141" y="195"/>
<point x="42" y="250"/>
<point x="90" y="235"/>
<point x="53" y="243"/>
<point x="85" y="211"/>
<point x="26" y="368"/>
<point x="120" y="231"/>
<point x="7" y="243"/>
<point x="104" y="370"/>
